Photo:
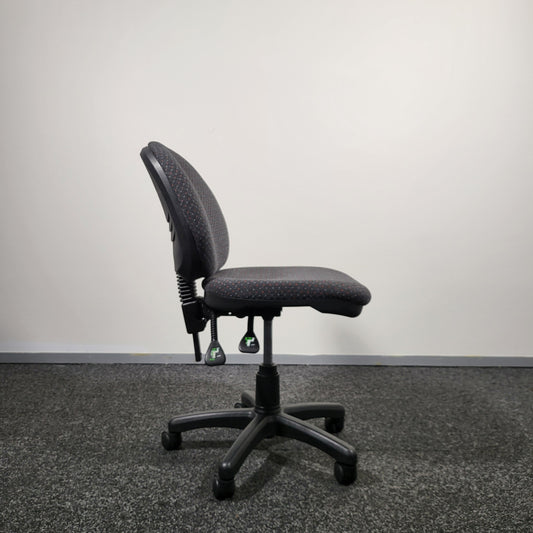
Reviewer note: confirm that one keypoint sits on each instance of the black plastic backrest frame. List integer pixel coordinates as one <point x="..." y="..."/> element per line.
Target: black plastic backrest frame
<point x="187" y="262"/>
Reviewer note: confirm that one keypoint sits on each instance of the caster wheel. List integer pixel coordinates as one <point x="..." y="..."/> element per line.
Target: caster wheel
<point x="345" y="474"/>
<point x="334" y="425"/>
<point x="170" y="441"/>
<point x="246" y="401"/>
<point x="223" y="489"/>
<point x="241" y="405"/>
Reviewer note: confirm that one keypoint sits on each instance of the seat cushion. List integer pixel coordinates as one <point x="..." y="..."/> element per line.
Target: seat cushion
<point x="243" y="290"/>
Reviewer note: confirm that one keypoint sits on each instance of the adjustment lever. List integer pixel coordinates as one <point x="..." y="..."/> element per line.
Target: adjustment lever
<point x="197" y="350"/>
<point x="215" y="354"/>
<point x="249" y="343"/>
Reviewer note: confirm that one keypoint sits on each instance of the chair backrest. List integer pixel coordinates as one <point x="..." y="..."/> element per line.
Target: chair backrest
<point x="198" y="229"/>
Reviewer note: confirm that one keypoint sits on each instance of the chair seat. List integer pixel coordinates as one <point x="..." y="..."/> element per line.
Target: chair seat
<point x="245" y="290"/>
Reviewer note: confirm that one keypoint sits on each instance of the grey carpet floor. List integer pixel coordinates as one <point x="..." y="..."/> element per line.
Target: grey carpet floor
<point x="440" y="449"/>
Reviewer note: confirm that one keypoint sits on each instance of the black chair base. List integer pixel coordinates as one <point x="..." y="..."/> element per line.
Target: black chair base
<point x="260" y="416"/>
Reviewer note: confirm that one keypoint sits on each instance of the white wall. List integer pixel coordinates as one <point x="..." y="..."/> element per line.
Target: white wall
<point x="392" y="140"/>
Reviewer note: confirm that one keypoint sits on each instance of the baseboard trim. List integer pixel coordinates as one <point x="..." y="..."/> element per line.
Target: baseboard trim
<point x="239" y="359"/>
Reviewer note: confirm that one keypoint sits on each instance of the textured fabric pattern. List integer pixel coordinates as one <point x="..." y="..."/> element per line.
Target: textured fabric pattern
<point x="322" y="288"/>
<point x="199" y="207"/>
<point x="255" y="288"/>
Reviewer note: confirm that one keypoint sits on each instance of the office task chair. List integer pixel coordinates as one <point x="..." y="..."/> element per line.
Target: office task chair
<point x="200" y="245"/>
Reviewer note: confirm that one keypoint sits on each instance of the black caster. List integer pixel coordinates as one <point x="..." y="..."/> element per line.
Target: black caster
<point x="345" y="474"/>
<point x="246" y="401"/>
<point x="170" y="441"/>
<point x="223" y="489"/>
<point x="334" y="425"/>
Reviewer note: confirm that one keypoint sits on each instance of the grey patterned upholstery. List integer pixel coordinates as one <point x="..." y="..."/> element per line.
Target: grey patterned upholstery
<point x="244" y="290"/>
<point x="324" y="289"/>
<point x="199" y="207"/>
